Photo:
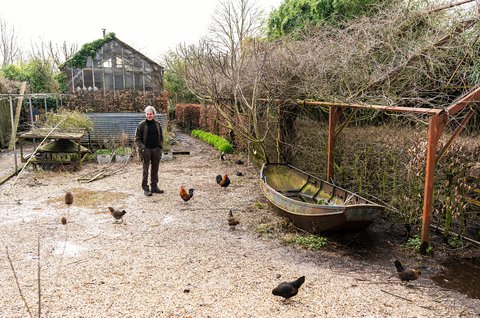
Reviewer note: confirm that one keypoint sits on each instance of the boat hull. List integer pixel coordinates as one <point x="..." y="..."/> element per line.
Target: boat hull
<point x="282" y="186"/>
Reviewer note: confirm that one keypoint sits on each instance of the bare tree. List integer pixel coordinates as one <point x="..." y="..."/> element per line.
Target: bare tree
<point x="63" y="52"/>
<point x="9" y="47"/>
<point x="226" y="69"/>
<point x="56" y="54"/>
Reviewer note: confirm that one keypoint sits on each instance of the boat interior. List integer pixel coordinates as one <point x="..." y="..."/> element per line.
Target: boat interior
<point x="303" y="187"/>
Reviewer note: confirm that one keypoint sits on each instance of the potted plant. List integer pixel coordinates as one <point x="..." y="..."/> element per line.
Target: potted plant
<point x="122" y="154"/>
<point x="104" y="155"/>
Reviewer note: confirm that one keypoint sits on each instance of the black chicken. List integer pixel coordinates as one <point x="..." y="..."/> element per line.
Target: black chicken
<point x="117" y="214"/>
<point x="406" y="274"/>
<point x="288" y="289"/>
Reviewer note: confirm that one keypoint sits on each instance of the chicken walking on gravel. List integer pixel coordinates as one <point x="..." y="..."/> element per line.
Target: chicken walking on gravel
<point x="117" y="214"/>
<point x="223" y="181"/>
<point x="288" y="289"/>
<point x="232" y="221"/>
<point x="406" y="274"/>
<point x="186" y="196"/>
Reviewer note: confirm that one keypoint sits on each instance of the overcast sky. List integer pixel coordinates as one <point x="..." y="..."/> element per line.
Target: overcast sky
<point x="152" y="27"/>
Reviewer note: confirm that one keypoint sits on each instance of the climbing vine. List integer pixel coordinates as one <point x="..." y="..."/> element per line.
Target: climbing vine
<point x="88" y="49"/>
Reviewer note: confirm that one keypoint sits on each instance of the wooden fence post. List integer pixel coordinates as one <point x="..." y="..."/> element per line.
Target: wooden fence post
<point x="333" y="117"/>
<point x="13" y="136"/>
<point x="435" y="129"/>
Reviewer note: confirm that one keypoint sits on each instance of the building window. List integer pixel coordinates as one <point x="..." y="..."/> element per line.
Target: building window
<point x="107" y="63"/>
<point x="120" y="63"/>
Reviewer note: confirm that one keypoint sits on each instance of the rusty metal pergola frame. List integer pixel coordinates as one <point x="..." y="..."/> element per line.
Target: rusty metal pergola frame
<point x="436" y="125"/>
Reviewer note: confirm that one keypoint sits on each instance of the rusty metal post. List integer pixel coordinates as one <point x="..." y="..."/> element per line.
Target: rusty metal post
<point x="435" y="129"/>
<point x="333" y="117"/>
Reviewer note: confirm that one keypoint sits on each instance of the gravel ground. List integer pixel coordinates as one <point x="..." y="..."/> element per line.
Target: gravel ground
<point x="169" y="259"/>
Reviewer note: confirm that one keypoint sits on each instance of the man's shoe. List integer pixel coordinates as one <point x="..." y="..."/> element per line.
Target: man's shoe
<point x="157" y="190"/>
<point x="147" y="193"/>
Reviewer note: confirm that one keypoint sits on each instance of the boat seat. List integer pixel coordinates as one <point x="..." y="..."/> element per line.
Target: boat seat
<point x="289" y="193"/>
<point x="306" y="197"/>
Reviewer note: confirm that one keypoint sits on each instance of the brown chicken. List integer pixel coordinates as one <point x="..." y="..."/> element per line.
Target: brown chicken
<point x="117" y="214"/>
<point x="406" y="274"/>
<point x="288" y="289"/>
<point x="232" y="221"/>
<point x="186" y="196"/>
<point x="223" y="182"/>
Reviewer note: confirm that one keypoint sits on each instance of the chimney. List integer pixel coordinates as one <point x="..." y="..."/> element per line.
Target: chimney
<point x="103" y="30"/>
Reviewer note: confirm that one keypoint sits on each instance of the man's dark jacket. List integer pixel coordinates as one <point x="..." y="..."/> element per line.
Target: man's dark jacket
<point x="141" y="134"/>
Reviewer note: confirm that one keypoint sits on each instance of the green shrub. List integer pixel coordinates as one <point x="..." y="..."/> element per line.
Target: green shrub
<point x="89" y="157"/>
<point x="167" y="138"/>
<point x="104" y="151"/>
<point x="68" y="119"/>
<point x="219" y="143"/>
<point x="122" y="151"/>
<point x="415" y="243"/>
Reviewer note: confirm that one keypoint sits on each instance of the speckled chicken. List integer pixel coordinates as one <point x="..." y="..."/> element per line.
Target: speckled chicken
<point x="288" y="289"/>
<point x="406" y="274"/>
<point x="117" y="214"/>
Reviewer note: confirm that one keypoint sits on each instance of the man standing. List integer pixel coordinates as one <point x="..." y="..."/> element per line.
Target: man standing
<point x="149" y="140"/>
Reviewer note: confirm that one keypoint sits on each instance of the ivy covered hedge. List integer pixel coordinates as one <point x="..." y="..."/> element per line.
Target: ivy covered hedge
<point x="219" y="143"/>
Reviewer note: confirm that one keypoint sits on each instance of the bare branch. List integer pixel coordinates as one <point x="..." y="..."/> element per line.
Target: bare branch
<point x="9" y="47"/>
<point x="18" y="284"/>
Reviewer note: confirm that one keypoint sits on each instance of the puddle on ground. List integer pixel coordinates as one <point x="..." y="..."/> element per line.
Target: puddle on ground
<point x="462" y="275"/>
<point x="67" y="249"/>
<point x="167" y="219"/>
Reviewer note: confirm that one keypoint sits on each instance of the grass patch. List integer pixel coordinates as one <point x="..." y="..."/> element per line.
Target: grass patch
<point x="259" y="205"/>
<point x="310" y="242"/>
<point x="265" y="229"/>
